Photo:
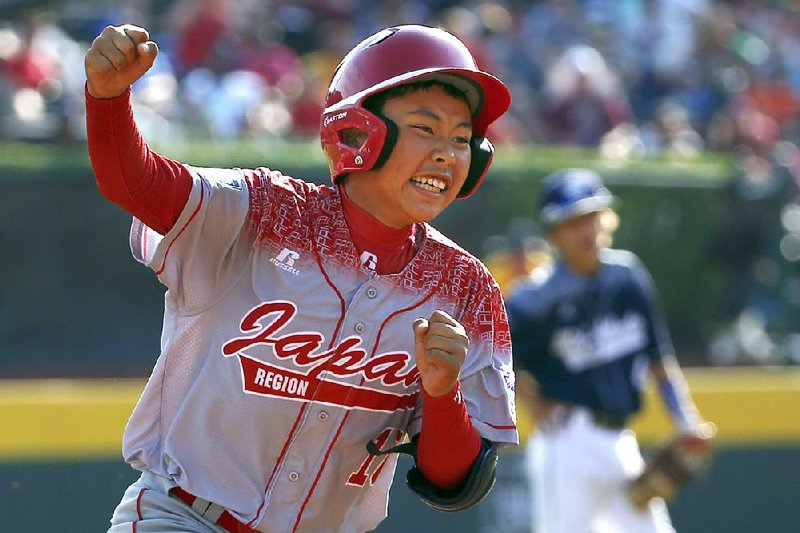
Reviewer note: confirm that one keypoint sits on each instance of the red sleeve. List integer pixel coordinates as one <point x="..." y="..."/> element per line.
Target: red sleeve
<point x="448" y="444"/>
<point x="148" y="186"/>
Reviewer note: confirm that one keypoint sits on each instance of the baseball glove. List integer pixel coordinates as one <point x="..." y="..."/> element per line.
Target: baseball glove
<point x="673" y="465"/>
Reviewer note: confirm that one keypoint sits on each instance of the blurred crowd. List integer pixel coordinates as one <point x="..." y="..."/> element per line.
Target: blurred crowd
<point x="630" y="78"/>
<point x="633" y="77"/>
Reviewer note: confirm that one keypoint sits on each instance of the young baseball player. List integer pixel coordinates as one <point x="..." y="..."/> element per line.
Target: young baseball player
<point x="587" y="329"/>
<point x="309" y="330"/>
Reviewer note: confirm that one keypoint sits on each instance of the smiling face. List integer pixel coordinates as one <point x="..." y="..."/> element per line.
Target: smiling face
<point x="429" y="162"/>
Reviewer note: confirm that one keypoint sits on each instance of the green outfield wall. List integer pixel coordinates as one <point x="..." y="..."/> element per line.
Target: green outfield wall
<point x="75" y="304"/>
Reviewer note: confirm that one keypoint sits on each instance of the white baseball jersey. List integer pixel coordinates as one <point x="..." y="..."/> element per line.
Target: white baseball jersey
<point x="283" y="354"/>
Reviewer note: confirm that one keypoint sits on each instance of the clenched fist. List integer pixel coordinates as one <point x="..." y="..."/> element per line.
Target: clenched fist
<point x="441" y="347"/>
<point x="118" y="57"/>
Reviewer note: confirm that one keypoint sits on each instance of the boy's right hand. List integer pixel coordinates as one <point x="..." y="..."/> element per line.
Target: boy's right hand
<point x="118" y="57"/>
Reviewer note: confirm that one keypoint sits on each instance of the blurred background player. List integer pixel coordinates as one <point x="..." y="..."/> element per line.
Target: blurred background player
<point x="587" y="329"/>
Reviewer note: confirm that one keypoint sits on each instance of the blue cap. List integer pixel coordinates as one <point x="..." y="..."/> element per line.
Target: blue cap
<point x="572" y="192"/>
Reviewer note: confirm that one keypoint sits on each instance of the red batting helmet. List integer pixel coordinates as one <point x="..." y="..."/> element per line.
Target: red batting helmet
<point x="392" y="57"/>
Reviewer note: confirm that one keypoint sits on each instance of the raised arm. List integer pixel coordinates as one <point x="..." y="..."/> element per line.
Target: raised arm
<point x="150" y="187"/>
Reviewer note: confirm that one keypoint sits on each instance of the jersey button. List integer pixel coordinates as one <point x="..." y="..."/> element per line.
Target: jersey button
<point x="323" y="415"/>
<point x="359" y="327"/>
<point x="294" y="476"/>
<point x="372" y="292"/>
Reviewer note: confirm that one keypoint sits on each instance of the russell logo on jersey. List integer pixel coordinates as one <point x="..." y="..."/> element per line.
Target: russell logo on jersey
<point x="286" y="258"/>
<point x="262" y="326"/>
<point x="285" y="261"/>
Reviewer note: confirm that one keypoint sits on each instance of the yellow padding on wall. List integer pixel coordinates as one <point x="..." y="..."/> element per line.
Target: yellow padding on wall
<point x="750" y="406"/>
<point x="80" y="419"/>
<point x="64" y="419"/>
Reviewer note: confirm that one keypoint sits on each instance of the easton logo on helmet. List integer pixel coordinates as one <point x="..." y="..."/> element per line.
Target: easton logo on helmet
<point x="334" y="118"/>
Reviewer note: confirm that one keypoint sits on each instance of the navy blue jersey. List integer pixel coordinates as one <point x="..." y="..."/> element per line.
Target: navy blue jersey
<point x="589" y="340"/>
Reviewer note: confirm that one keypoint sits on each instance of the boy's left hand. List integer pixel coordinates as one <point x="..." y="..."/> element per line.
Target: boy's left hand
<point x="441" y="347"/>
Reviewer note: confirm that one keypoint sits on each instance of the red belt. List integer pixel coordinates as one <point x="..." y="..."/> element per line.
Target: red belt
<point x="226" y="520"/>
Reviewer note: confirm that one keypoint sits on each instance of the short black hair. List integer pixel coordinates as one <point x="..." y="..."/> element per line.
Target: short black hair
<point x="375" y="102"/>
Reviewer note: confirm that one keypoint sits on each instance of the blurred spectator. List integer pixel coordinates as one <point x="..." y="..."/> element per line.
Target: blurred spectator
<point x="335" y="36"/>
<point x="200" y="28"/>
<point x="757" y="244"/>
<point x="467" y="25"/>
<point x="672" y="132"/>
<point x="36" y="80"/>
<point x="223" y="101"/>
<point x="261" y="51"/>
<point x="513" y="256"/>
<point x="582" y="100"/>
<point x="368" y="14"/>
<point x="28" y="66"/>
<point x="551" y="26"/>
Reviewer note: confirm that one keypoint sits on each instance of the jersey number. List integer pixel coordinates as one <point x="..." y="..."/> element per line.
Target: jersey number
<point x="360" y="477"/>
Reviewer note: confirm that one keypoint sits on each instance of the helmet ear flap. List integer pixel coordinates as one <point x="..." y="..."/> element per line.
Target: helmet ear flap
<point x="482" y="154"/>
<point x="343" y="155"/>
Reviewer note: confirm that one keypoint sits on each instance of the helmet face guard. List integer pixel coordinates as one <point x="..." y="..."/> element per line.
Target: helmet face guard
<point x="396" y="56"/>
<point x="345" y="158"/>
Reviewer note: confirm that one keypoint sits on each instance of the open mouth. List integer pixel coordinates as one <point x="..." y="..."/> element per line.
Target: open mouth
<point x="430" y="184"/>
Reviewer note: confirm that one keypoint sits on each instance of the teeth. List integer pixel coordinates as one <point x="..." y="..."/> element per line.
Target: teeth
<point x="430" y="184"/>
